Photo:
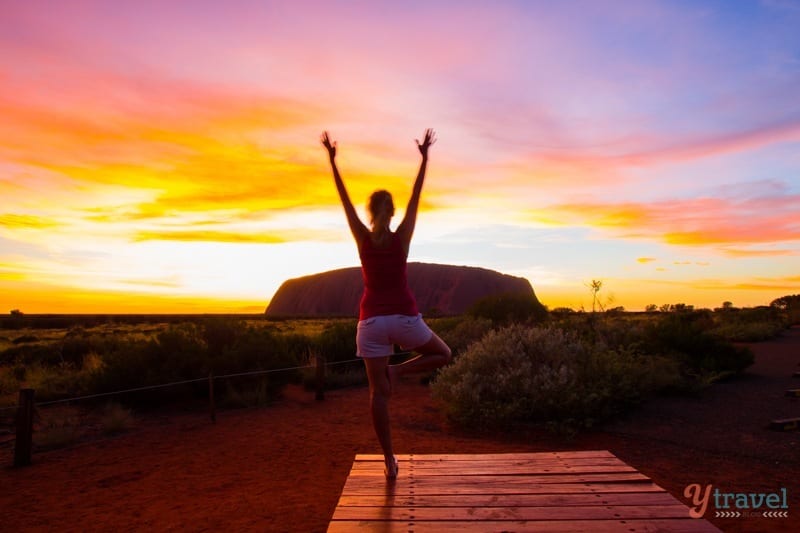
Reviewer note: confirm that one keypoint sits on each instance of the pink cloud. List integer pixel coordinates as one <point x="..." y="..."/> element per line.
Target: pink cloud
<point x="586" y="164"/>
<point x="693" y="222"/>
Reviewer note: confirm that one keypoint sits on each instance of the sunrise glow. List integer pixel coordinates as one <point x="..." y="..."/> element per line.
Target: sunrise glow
<point x="165" y="157"/>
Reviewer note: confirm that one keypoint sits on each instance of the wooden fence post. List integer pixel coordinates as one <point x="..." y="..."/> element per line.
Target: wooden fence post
<point x="211" y="406"/>
<point x="320" y="362"/>
<point x="24" y="442"/>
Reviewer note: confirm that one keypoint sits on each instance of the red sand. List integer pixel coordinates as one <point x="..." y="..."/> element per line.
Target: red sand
<point x="282" y="468"/>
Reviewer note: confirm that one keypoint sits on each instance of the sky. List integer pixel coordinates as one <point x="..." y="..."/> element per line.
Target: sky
<point x="165" y="157"/>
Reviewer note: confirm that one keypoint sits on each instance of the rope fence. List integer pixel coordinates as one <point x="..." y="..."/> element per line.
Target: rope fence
<point x="26" y="406"/>
<point x="175" y="383"/>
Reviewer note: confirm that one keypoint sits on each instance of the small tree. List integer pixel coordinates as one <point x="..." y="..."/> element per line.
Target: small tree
<point x="594" y="288"/>
<point x="790" y="305"/>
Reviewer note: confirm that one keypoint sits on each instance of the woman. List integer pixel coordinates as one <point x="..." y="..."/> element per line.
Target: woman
<point x="388" y="311"/>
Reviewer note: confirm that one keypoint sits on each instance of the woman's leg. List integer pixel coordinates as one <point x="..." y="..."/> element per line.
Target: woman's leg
<point x="432" y="355"/>
<point x="380" y="391"/>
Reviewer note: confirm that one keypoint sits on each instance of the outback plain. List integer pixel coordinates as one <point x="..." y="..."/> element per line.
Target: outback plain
<point x="276" y="458"/>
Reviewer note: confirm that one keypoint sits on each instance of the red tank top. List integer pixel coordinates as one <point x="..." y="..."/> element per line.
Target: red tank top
<point x="386" y="289"/>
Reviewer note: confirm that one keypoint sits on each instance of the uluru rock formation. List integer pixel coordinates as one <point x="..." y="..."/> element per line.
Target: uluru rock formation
<point x="445" y="289"/>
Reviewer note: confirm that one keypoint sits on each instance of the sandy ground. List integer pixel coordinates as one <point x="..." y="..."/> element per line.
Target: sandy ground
<point x="282" y="468"/>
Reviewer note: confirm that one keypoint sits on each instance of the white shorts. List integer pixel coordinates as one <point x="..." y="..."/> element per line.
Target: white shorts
<point x="377" y="335"/>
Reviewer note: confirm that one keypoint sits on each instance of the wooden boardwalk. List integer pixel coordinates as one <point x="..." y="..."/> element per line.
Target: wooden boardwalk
<point x="558" y="491"/>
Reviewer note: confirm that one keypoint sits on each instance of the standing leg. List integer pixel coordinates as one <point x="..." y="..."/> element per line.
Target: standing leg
<point x="380" y="391"/>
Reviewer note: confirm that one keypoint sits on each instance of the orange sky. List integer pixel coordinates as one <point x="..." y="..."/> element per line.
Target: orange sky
<point x="160" y="159"/>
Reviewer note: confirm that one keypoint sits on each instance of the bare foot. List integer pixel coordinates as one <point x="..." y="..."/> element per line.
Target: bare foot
<point x="392" y="468"/>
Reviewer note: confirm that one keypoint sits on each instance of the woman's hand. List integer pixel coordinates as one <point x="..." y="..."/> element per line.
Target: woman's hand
<point x="330" y="146"/>
<point x="430" y="138"/>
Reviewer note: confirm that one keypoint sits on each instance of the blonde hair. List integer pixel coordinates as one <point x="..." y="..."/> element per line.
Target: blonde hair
<point x="374" y="206"/>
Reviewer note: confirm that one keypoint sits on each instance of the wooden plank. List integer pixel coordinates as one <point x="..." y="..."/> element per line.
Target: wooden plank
<point x="534" y="463"/>
<point x="495" y="458"/>
<point x="571" y="526"/>
<point x="490" y="456"/>
<point x="568" y="512"/>
<point x="547" y="491"/>
<point x="508" y="470"/>
<point x="530" y="465"/>
<point x="510" y="500"/>
<point x="484" y="484"/>
<point x="399" y="489"/>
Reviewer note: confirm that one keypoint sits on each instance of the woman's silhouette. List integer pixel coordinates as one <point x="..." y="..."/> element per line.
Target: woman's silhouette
<point x="388" y="311"/>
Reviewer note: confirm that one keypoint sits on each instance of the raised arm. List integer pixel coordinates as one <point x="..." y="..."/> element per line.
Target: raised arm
<point x="358" y="229"/>
<point x="406" y="228"/>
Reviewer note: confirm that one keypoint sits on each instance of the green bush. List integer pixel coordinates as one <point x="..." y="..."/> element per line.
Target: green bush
<point x="256" y="349"/>
<point x="459" y="332"/>
<point x="750" y="325"/>
<point x="79" y="343"/>
<point x="545" y="375"/>
<point x="503" y="309"/>
<point x="9" y="384"/>
<point x="789" y="307"/>
<point x="687" y="337"/>
<point x="749" y="331"/>
<point x="337" y="342"/>
<point x="220" y="333"/>
<point x="53" y="382"/>
<point x="177" y="353"/>
<point x="28" y="354"/>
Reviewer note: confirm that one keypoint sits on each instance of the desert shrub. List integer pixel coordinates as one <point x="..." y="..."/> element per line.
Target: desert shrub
<point x="337" y="342"/>
<point x="612" y="330"/>
<point x="28" y="354"/>
<point x="78" y="344"/>
<point x="749" y="331"/>
<point x="789" y="307"/>
<point x="750" y="325"/>
<point x="545" y="375"/>
<point x="53" y="382"/>
<point x="177" y="353"/>
<point x="460" y="332"/>
<point x="220" y="333"/>
<point x="298" y="345"/>
<point x="8" y="382"/>
<point x="256" y="349"/>
<point x="74" y="348"/>
<point x="687" y="337"/>
<point x="503" y="309"/>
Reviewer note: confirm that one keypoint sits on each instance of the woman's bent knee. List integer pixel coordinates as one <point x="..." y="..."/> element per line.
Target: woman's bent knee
<point x="436" y="346"/>
<point x="448" y="355"/>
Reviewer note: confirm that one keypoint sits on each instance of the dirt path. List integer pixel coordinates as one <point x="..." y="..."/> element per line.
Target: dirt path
<point x="732" y="417"/>
<point x="282" y="468"/>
